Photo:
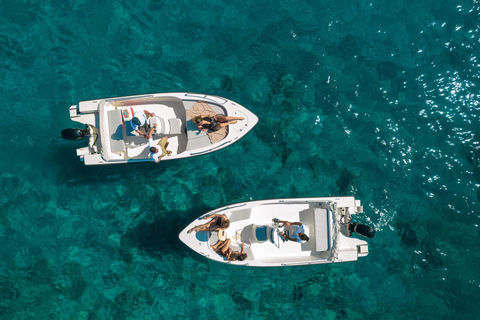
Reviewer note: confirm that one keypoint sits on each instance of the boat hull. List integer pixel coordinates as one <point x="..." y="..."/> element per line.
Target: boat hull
<point x="112" y="140"/>
<point x="327" y="219"/>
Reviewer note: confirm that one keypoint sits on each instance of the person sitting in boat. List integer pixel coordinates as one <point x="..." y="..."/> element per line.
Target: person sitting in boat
<point x="361" y="229"/>
<point x="223" y="249"/>
<point x="298" y="231"/>
<point x="214" y="122"/>
<point x="140" y="120"/>
<point x="158" y="151"/>
<point x="218" y="222"/>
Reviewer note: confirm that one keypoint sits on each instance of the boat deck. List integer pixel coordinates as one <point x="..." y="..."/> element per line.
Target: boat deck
<point x="125" y="143"/>
<point x="278" y="251"/>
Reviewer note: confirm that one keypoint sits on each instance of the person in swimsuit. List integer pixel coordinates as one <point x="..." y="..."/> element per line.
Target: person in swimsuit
<point x="218" y="222"/>
<point x="214" y="122"/>
<point x="223" y="249"/>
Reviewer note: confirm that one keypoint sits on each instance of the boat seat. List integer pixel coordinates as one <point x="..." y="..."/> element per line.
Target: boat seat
<point x="261" y="233"/>
<point x="166" y="126"/>
<point x="115" y="123"/>
<point x="323" y="230"/>
<point x="257" y="234"/>
<point x="196" y="138"/>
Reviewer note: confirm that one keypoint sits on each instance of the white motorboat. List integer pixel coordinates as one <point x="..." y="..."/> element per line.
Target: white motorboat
<point x="111" y="138"/>
<point x="327" y="219"/>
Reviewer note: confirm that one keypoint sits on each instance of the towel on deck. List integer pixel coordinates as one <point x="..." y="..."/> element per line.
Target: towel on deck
<point x="202" y="108"/>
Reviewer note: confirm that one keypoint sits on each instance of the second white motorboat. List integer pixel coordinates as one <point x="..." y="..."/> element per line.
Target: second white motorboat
<point x="251" y="223"/>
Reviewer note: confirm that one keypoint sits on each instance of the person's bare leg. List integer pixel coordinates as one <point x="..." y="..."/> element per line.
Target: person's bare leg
<point x="216" y="245"/>
<point x="223" y="118"/>
<point x="225" y="245"/>
<point x="203" y="227"/>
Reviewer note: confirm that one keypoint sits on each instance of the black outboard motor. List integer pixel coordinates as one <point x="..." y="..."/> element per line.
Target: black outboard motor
<point x="361" y="229"/>
<point x="74" y="134"/>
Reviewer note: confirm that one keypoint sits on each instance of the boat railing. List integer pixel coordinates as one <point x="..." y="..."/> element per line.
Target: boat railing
<point x="223" y="209"/>
<point x="207" y="97"/>
<point x="129" y="98"/>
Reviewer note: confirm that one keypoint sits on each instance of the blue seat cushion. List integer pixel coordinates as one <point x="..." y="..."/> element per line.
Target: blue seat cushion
<point x="261" y="233"/>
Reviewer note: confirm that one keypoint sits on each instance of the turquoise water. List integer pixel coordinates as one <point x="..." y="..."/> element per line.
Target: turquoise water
<point x="377" y="99"/>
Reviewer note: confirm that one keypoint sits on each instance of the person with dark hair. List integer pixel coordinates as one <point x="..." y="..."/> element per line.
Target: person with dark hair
<point x="214" y="122"/>
<point x="361" y="229"/>
<point x="299" y="233"/>
<point x="158" y="151"/>
<point x="140" y="120"/>
<point x="218" y="222"/>
<point x="223" y="249"/>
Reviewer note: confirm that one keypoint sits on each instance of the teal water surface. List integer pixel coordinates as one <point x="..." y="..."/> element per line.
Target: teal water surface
<point x="376" y="99"/>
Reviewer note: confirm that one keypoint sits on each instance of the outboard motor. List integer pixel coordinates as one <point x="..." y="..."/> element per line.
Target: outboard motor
<point x="361" y="229"/>
<point x="74" y="134"/>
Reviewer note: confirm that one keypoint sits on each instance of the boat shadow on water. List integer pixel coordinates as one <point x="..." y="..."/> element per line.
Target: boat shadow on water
<point x="155" y="238"/>
<point x="73" y="172"/>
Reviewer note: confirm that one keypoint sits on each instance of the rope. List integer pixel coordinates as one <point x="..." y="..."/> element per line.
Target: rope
<point x="336" y="230"/>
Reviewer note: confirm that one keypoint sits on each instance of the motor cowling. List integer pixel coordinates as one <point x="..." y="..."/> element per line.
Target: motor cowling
<point x="363" y="230"/>
<point x="74" y="134"/>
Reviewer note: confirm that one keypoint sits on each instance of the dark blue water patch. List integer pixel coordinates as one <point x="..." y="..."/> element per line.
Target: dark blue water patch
<point x="459" y="57"/>
<point x="347" y="47"/>
<point x="387" y="70"/>
<point x="14" y="189"/>
<point x="133" y="297"/>
<point x="72" y="283"/>
<point x="344" y="181"/>
<point x="473" y="155"/>
<point x="10" y="48"/>
<point x="408" y="235"/>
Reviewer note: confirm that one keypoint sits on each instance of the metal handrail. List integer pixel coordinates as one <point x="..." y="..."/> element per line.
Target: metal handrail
<point x="129" y="98"/>
<point x="223" y="209"/>
<point x="207" y="97"/>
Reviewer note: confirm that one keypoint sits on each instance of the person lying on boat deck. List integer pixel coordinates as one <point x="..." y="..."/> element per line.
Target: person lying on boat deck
<point x="158" y="151"/>
<point x="299" y="233"/>
<point x="218" y="222"/>
<point x="140" y="120"/>
<point x="214" y="122"/>
<point x="223" y="249"/>
<point x="361" y="229"/>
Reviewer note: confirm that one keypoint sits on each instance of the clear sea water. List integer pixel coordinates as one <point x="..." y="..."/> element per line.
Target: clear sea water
<point x="377" y="99"/>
